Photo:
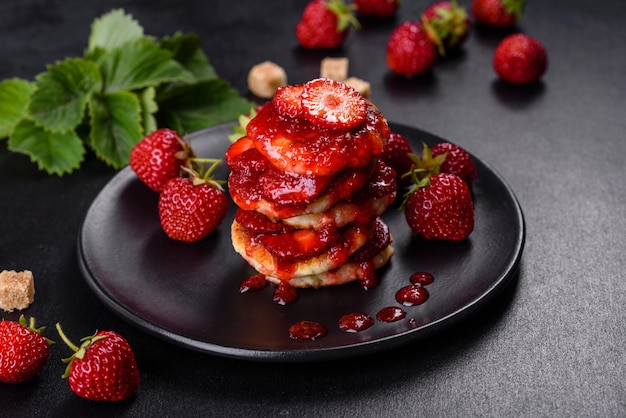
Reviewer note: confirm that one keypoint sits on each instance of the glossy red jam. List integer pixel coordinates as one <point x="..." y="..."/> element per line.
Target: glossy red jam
<point x="297" y="145"/>
<point x="253" y="283"/>
<point x="390" y="314"/>
<point x="307" y="331"/>
<point x="412" y="295"/>
<point x="355" y="322"/>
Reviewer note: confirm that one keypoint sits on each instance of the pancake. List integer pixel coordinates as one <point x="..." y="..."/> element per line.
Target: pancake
<point x="343" y="213"/>
<point x="352" y="237"/>
<point x="376" y="180"/>
<point x="346" y="273"/>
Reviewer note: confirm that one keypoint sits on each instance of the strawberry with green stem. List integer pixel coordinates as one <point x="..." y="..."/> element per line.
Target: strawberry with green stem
<point x="193" y="206"/>
<point x="410" y="50"/>
<point x="439" y="206"/>
<point x="447" y="25"/>
<point x="102" y="368"/>
<point x="325" y="24"/>
<point x="158" y="157"/>
<point x="23" y="350"/>
<point x="444" y="157"/>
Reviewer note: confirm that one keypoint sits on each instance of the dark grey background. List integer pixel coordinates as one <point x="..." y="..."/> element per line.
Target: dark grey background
<point x="551" y="345"/>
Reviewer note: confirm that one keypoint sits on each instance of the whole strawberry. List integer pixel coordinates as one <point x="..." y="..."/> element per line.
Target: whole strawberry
<point x="190" y="208"/>
<point x="497" y="13"/>
<point x="103" y="368"/>
<point x="520" y="59"/>
<point x="396" y="155"/>
<point x="448" y="23"/>
<point x="457" y="161"/>
<point x="440" y="207"/>
<point x="325" y="24"/>
<point x="158" y="157"/>
<point x="410" y="51"/>
<point x="23" y="350"/>
<point x="377" y="8"/>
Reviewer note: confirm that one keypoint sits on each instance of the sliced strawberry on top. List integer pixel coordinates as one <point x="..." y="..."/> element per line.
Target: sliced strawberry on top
<point x="333" y="104"/>
<point x="288" y="100"/>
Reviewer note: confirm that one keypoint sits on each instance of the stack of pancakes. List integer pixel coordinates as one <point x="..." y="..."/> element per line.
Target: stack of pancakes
<point x="310" y="199"/>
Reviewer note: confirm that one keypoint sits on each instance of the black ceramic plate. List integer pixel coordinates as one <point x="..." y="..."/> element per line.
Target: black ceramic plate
<point x="189" y="293"/>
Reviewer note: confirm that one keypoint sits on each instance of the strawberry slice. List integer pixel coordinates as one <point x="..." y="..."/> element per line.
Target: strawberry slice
<point x="288" y="100"/>
<point x="237" y="148"/>
<point x="333" y="104"/>
<point x="299" y="244"/>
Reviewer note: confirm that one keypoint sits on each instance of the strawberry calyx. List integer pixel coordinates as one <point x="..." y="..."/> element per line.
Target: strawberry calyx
<point x="433" y="35"/>
<point x="30" y="325"/>
<point x="345" y="14"/>
<point x="239" y="130"/>
<point x="79" y="351"/>
<point x="446" y="23"/>
<point x="200" y="171"/>
<point x="514" y="7"/>
<point x="424" y="167"/>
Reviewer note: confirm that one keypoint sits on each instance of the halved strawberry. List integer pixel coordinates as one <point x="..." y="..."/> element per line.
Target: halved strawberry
<point x="288" y="100"/>
<point x="333" y="104"/>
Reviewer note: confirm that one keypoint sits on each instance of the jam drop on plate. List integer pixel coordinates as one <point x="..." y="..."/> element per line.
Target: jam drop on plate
<point x="285" y="293"/>
<point x="253" y="283"/>
<point x="390" y="314"/>
<point x="412" y="295"/>
<point x="355" y="322"/>
<point x="307" y="330"/>
<point x="422" y="277"/>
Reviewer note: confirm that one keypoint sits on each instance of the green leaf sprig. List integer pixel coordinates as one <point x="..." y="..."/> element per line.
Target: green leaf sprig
<point x="125" y="86"/>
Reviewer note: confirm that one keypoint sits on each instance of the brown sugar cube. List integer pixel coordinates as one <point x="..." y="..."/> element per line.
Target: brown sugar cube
<point x="361" y="86"/>
<point x="17" y="290"/>
<point x="334" y="68"/>
<point x="265" y="78"/>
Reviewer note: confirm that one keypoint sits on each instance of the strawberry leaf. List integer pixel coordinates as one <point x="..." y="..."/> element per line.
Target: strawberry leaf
<point x="61" y="93"/>
<point x="185" y="49"/>
<point x="115" y="126"/>
<point x="14" y="98"/>
<point x="54" y="152"/>
<point x="149" y="107"/>
<point x="139" y="64"/>
<point x="113" y="30"/>
<point x="188" y="108"/>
